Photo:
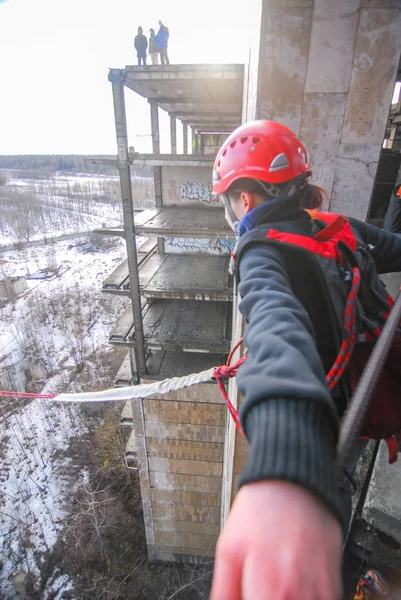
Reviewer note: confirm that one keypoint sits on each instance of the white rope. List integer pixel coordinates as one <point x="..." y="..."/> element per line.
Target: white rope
<point x="139" y="391"/>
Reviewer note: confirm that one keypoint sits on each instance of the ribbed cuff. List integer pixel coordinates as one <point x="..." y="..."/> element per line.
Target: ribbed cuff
<point x="293" y="440"/>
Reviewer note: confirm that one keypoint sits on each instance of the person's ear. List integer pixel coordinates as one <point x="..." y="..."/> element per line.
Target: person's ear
<point x="247" y="202"/>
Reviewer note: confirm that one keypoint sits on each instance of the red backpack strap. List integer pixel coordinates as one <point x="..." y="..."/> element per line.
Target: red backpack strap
<point x="338" y="229"/>
<point x="331" y="229"/>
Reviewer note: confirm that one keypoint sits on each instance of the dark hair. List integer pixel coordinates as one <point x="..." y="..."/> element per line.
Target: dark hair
<point x="252" y="186"/>
<point x="310" y="196"/>
<point x="152" y="31"/>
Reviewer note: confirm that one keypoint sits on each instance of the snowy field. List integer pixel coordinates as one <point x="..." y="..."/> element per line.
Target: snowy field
<point x="62" y="204"/>
<point x="51" y="338"/>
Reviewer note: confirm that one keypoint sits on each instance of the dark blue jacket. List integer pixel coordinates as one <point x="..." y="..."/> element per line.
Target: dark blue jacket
<point x="141" y="44"/>
<point x="288" y="413"/>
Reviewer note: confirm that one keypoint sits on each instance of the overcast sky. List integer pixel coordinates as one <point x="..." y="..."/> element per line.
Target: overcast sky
<point x="55" y="56"/>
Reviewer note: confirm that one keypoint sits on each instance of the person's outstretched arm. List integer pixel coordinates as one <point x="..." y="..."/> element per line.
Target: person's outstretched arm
<point x="283" y="537"/>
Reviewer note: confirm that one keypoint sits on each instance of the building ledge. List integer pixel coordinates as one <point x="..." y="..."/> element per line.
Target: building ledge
<point x="196" y="221"/>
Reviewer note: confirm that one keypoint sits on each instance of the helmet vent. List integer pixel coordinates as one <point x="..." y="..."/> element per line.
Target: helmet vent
<point x="243" y="140"/>
<point x="255" y="140"/>
<point x="225" y="152"/>
<point x="279" y="162"/>
<point x="219" y="163"/>
<point x="232" y="145"/>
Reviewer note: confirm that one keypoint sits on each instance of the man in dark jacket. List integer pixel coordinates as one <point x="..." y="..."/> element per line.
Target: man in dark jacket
<point x="141" y="44"/>
<point x="283" y="538"/>
<point x="162" y="43"/>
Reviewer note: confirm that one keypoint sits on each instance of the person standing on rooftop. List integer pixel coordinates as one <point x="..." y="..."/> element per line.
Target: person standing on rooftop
<point x="153" y="47"/>
<point x="162" y="42"/>
<point x="141" y="45"/>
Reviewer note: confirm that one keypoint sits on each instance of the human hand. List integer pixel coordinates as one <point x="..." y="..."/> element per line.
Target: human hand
<point x="280" y="543"/>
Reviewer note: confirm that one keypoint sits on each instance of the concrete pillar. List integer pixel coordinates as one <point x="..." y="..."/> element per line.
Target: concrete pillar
<point x="173" y="134"/>
<point x="193" y="140"/>
<point x="128" y="219"/>
<point x="154" y="121"/>
<point x="185" y="138"/>
<point x="336" y="96"/>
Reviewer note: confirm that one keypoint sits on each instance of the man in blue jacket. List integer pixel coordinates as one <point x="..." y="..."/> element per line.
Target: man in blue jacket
<point x="162" y="43"/>
<point x="284" y="535"/>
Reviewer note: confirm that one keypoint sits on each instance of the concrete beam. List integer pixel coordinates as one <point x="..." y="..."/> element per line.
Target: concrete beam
<point x="177" y="160"/>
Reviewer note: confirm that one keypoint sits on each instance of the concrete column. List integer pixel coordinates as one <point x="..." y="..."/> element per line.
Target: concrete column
<point x="193" y="140"/>
<point x="335" y="96"/>
<point x="154" y="121"/>
<point x="128" y="216"/>
<point x="173" y="134"/>
<point x="185" y="138"/>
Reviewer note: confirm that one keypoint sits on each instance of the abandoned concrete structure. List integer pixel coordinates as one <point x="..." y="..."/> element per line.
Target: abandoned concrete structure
<point x="180" y="319"/>
<point x="180" y="316"/>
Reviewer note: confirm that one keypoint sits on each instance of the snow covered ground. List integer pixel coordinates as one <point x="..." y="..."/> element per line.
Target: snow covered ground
<point x="62" y="204"/>
<point x="54" y="330"/>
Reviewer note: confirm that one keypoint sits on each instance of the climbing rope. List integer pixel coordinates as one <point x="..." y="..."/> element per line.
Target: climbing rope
<point x="347" y="346"/>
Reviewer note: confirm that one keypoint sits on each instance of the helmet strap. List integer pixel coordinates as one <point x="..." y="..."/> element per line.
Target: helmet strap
<point x="232" y="218"/>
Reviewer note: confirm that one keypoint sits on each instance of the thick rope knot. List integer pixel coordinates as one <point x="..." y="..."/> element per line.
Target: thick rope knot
<point x="225" y="372"/>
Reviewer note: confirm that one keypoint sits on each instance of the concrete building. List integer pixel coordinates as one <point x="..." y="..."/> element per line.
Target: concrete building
<point x="179" y="319"/>
<point x="316" y="66"/>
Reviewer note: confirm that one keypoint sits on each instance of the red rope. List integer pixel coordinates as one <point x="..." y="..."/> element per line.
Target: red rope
<point x="5" y="393"/>
<point x="225" y="372"/>
<point x="347" y="347"/>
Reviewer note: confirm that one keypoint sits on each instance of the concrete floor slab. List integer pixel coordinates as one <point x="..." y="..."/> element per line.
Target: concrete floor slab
<point x="184" y="221"/>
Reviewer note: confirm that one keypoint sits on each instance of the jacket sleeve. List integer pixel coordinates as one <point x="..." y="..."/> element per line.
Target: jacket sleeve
<point x="387" y="246"/>
<point x="288" y="414"/>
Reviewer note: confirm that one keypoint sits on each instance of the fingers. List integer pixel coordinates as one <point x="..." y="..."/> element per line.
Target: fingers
<point x="227" y="576"/>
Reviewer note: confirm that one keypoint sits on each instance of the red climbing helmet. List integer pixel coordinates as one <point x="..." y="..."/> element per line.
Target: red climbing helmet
<point x="262" y="150"/>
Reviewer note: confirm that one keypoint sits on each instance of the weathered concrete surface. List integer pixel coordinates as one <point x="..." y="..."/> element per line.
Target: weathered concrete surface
<point x="321" y="142"/>
<point x="383" y="501"/>
<point x="186" y="512"/>
<point x="376" y="58"/>
<point x="328" y="73"/>
<point x="184" y="412"/>
<point x="186" y="185"/>
<point x="332" y="45"/>
<point x="182" y="431"/>
<point x="283" y="63"/>
<point x="182" y="497"/>
<point x="355" y="171"/>
<point x="188" y="467"/>
<point x="192" y="451"/>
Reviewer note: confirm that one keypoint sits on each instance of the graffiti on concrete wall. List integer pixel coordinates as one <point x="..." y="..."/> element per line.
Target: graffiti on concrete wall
<point x="197" y="191"/>
<point x="183" y="245"/>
